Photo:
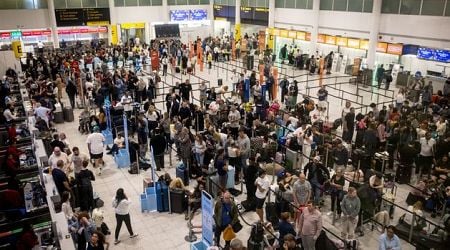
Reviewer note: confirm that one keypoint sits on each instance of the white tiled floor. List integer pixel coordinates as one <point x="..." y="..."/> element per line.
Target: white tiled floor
<point x="167" y="231"/>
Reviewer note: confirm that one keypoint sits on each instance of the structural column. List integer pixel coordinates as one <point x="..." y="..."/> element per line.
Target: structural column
<point x="113" y="31"/>
<point x="271" y="13"/>
<point x="211" y="18"/>
<point x="314" y="28"/>
<point x="373" y="37"/>
<point x="237" y="23"/>
<point x="165" y="11"/>
<point x="52" y="16"/>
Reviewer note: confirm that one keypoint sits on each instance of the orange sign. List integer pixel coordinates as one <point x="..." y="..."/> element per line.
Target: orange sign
<point x="321" y="38"/>
<point x="353" y="43"/>
<point x="382" y="47"/>
<point x="395" y="49"/>
<point x="364" y="44"/>
<point x="330" y="40"/>
<point x="292" y="34"/>
<point x="308" y="36"/>
<point x="341" y="41"/>
<point x="301" y="35"/>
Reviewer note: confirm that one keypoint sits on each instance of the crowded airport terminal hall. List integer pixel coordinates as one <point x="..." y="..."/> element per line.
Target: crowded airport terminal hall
<point x="224" y="124"/>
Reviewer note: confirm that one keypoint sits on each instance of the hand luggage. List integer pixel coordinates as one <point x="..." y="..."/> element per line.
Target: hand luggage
<point x="403" y="174"/>
<point x="249" y="205"/>
<point x="58" y="117"/>
<point x="271" y="214"/>
<point x="189" y="70"/>
<point x="68" y="114"/>
<point x="292" y="160"/>
<point x="177" y="69"/>
<point x="254" y="245"/>
<point x="177" y="201"/>
<point x="162" y="197"/>
<point x="182" y="173"/>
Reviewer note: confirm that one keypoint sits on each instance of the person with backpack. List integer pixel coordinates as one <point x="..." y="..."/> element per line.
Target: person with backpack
<point x="85" y="190"/>
<point x="71" y="91"/>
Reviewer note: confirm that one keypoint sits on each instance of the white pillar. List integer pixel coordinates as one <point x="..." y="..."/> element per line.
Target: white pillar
<point x="113" y="20"/>
<point x="373" y="37"/>
<point x="165" y="11"/>
<point x="315" y="27"/>
<point x="211" y="18"/>
<point x="271" y="13"/>
<point x="52" y="16"/>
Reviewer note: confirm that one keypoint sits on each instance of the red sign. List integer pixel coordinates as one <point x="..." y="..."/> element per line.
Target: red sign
<point x="37" y="32"/>
<point x="5" y="34"/>
<point x="83" y="30"/>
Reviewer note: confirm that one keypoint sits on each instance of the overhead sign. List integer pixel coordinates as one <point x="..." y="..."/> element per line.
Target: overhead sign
<point x="442" y="56"/>
<point x="330" y="40"/>
<point x="198" y="15"/>
<point x="341" y="41"/>
<point x="17" y="48"/>
<point x="179" y="15"/>
<point x="353" y="43"/>
<point x="364" y="44"/>
<point x="425" y="53"/>
<point x="82" y="30"/>
<point x="82" y="17"/>
<point x="395" y="49"/>
<point x="382" y="47"/>
<point x="128" y="26"/>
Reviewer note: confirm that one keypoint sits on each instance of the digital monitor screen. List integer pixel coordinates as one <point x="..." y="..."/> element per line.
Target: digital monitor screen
<point x="167" y="30"/>
<point x="425" y="53"/>
<point x="198" y="15"/>
<point x="179" y="15"/>
<point x="442" y="56"/>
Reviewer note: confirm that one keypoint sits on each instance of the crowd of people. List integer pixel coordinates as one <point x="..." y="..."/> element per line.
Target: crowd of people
<point x="245" y="129"/>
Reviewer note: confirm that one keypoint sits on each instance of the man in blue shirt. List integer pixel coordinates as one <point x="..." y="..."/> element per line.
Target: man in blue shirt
<point x="225" y="215"/>
<point x="388" y="240"/>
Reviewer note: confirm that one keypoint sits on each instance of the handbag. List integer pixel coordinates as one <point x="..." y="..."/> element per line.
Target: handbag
<point x="228" y="233"/>
<point x="237" y="227"/>
<point x="99" y="203"/>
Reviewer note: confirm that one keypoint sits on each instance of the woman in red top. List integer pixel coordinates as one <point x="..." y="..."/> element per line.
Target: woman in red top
<point x="12" y="133"/>
<point x="13" y="150"/>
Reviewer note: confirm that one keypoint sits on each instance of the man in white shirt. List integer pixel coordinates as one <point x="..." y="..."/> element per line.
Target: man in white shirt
<point x="8" y="114"/>
<point x="426" y="155"/>
<point x="126" y="101"/>
<point x="95" y="143"/>
<point x="58" y="155"/>
<point x="42" y="112"/>
<point x="77" y="159"/>
<point x="262" y="184"/>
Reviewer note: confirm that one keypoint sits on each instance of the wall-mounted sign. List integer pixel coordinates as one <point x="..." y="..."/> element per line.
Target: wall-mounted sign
<point x="276" y="32"/>
<point x="330" y="40"/>
<point x="224" y="11"/>
<point x="179" y="15"/>
<point x="284" y="33"/>
<point x="425" y="53"/>
<point x="292" y="34"/>
<point x="128" y="26"/>
<point x="321" y="38"/>
<point x="301" y="35"/>
<point x="410" y="49"/>
<point x="395" y="49"/>
<point x="442" y="56"/>
<point x="82" y="30"/>
<point x="198" y="15"/>
<point x="82" y="17"/>
<point x="308" y="36"/>
<point x="341" y="41"/>
<point x="382" y="47"/>
<point x="364" y="44"/>
<point x="16" y="34"/>
<point x="353" y="43"/>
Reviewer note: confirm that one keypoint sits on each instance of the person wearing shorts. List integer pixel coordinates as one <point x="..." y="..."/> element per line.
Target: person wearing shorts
<point x="262" y="184"/>
<point x="95" y="143"/>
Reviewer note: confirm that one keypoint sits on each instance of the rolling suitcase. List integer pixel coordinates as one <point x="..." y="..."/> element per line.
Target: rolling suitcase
<point x="177" y="69"/>
<point x="253" y="245"/>
<point x="248" y="205"/>
<point x="271" y="214"/>
<point x="68" y="114"/>
<point x="403" y="174"/>
<point x="182" y="173"/>
<point x="162" y="197"/>
<point x="230" y="180"/>
<point x="58" y="117"/>
<point x="177" y="201"/>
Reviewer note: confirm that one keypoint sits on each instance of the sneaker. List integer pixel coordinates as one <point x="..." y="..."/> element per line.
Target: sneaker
<point x="116" y="242"/>
<point x="133" y="236"/>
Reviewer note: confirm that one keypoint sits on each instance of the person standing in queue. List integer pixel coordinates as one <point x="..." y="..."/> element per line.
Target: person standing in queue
<point x="262" y="184"/>
<point x="310" y="226"/>
<point x="225" y="215"/>
<point x="121" y="205"/>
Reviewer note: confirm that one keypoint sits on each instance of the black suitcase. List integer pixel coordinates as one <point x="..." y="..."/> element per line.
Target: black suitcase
<point x="177" y="201"/>
<point x="252" y="245"/>
<point x="271" y="214"/>
<point x="248" y="205"/>
<point x="68" y="114"/>
<point x="58" y="117"/>
<point x="403" y="174"/>
<point x="177" y="69"/>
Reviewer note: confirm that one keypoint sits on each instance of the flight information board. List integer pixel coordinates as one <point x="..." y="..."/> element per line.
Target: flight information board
<point x="82" y="17"/>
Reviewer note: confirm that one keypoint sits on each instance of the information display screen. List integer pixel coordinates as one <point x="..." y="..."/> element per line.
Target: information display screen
<point x="442" y="56"/>
<point x="167" y="31"/>
<point x="81" y="17"/>
<point x="425" y="53"/>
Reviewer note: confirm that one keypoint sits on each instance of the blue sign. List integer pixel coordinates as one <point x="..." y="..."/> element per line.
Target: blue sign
<point x="207" y="218"/>
<point x="442" y="56"/>
<point x="179" y="15"/>
<point x="425" y="53"/>
<point x="198" y="15"/>
<point x="410" y="49"/>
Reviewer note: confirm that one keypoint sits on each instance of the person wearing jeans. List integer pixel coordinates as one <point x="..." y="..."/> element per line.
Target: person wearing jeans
<point x="350" y="207"/>
<point x="122" y="209"/>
